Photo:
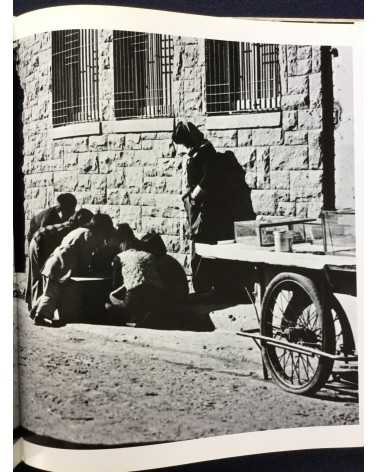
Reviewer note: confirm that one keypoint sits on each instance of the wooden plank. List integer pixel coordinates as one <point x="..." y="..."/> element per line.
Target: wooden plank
<point x="241" y="252"/>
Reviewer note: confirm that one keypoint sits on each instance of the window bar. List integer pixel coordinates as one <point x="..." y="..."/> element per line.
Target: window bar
<point x="268" y="85"/>
<point x="264" y="75"/>
<point x="164" y="76"/>
<point x="247" y="78"/>
<point x="254" y="75"/>
<point x="97" y="116"/>
<point x="69" y="82"/>
<point x="270" y="94"/>
<point x="244" y="74"/>
<point x="82" y="74"/>
<point x="159" y="60"/>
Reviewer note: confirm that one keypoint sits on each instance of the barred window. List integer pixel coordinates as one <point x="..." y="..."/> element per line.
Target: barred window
<point x="142" y="75"/>
<point x="241" y="77"/>
<point x="74" y="76"/>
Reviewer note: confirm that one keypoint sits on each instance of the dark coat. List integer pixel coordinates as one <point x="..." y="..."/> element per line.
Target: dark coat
<point x="226" y="197"/>
<point x="43" y="218"/>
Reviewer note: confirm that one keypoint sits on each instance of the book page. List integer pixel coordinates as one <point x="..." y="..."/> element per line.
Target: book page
<point x="206" y="350"/>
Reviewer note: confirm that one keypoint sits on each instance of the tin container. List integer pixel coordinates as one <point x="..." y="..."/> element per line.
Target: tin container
<point x="283" y="240"/>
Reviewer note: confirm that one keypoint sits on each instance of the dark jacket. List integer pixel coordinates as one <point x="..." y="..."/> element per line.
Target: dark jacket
<point x="42" y="219"/>
<point x="226" y="197"/>
<point x="210" y="216"/>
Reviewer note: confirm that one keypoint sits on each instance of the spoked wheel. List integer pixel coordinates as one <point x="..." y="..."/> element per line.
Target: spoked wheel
<point x="293" y="311"/>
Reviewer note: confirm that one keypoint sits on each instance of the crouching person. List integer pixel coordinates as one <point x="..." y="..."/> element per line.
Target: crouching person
<point x="71" y="258"/>
<point x="140" y="291"/>
<point x="42" y="244"/>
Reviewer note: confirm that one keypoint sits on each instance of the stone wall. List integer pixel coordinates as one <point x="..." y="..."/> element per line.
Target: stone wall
<point x="138" y="177"/>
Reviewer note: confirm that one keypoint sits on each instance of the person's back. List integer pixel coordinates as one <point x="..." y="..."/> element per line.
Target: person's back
<point x="139" y="268"/>
<point x="62" y="211"/>
<point x="67" y="259"/>
<point x="48" y="238"/>
<point x="44" y="218"/>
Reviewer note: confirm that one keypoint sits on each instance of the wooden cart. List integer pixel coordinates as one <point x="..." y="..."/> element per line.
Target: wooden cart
<point x="304" y="334"/>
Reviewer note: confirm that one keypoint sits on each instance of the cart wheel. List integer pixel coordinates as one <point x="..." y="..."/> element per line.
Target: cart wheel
<point x="343" y="331"/>
<point x="293" y="311"/>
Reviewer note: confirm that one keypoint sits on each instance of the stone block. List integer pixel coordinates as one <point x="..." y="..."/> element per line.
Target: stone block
<point x="244" y="137"/>
<point x="88" y="163"/>
<point x="289" y="120"/>
<point x="133" y="141"/>
<point x="58" y="150"/>
<point x="147" y="144"/>
<point x="42" y="179"/>
<point x="65" y="181"/>
<point x="145" y="158"/>
<point x="267" y="136"/>
<point x="116" y="142"/>
<point x="285" y="208"/>
<point x="301" y="66"/>
<point x="98" y="182"/>
<point x="304" y="52"/>
<point x="164" y="148"/>
<point x="305" y="184"/>
<point x="316" y="59"/>
<point x="245" y="156"/>
<point x="106" y="161"/>
<point x="84" y="182"/>
<point x="124" y="158"/>
<point x="262" y="167"/>
<point x="264" y="201"/>
<point x="301" y="209"/>
<point x="93" y="197"/>
<point x="98" y="143"/>
<point x="118" y="196"/>
<point x="293" y="102"/>
<point x="314" y="208"/>
<point x="295" y="137"/>
<point x="297" y="85"/>
<point x="315" y="90"/>
<point x="134" y="179"/>
<point x="70" y="161"/>
<point x="279" y="179"/>
<point x="171" y="185"/>
<point x="164" y="168"/>
<point x="116" y="179"/>
<point x="310" y="119"/>
<point x="132" y="215"/>
<point x="288" y="157"/>
<point x="167" y="226"/>
<point x="80" y="144"/>
<point x="315" y="153"/>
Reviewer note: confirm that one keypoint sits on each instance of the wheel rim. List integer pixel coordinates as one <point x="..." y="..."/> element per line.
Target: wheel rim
<point x="294" y="317"/>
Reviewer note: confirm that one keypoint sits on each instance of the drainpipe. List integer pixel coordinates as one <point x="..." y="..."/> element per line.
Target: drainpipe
<point x="328" y="138"/>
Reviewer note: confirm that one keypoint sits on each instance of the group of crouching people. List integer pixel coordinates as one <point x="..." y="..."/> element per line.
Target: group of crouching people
<point x="145" y="280"/>
<point x="64" y="244"/>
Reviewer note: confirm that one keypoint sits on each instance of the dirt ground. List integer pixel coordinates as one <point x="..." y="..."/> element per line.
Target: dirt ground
<point x="112" y="385"/>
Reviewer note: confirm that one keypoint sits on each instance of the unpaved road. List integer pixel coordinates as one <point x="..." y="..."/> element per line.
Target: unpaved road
<point x="109" y="385"/>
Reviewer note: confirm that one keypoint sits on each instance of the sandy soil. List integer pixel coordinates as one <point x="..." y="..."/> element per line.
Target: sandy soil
<point x="96" y="384"/>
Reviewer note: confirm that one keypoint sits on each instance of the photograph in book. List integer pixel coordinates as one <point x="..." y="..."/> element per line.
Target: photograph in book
<point x="185" y="236"/>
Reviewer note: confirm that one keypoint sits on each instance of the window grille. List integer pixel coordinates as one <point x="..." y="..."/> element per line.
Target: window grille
<point x="241" y="77"/>
<point x="74" y="76"/>
<point x="142" y="75"/>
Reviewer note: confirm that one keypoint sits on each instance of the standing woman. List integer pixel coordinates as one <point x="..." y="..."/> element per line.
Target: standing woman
<point x="72" y="257"/>
<point x="206" y="202"/>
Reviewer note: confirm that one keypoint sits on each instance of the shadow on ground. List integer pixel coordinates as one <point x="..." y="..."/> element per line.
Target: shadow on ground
<point x="191" y="316"/>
